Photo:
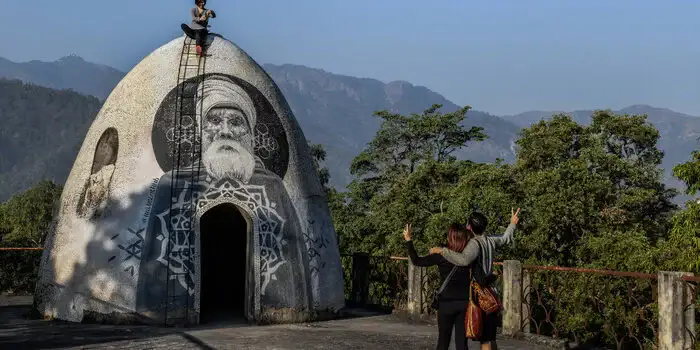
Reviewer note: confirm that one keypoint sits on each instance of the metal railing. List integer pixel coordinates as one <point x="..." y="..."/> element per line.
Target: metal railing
<point x="691" y="309"/>
<point x="592" y="306"/>
<point x="375" y="281"/>
<point x="586" y="306"/>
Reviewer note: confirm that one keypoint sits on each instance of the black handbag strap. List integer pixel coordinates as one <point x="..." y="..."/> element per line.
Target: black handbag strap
<point x="447" y="279"/>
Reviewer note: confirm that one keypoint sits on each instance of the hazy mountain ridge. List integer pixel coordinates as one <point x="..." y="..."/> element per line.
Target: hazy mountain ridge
<point x="337" y="112"/>
<point x="41" y="135"/>
<point x="333" y="110"/>
<point x="70" y="72"/>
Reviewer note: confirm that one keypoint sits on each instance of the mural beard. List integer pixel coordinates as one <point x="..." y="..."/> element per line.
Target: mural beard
<point x="229" y="159"/>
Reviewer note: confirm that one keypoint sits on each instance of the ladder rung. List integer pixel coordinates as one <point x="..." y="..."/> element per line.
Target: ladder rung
<point x="186" y="96"/>
<point x="181" y="131"/>
<point x="189" y="73"/>
<point x="184" y="153"/>
<point x="190" y="76"/>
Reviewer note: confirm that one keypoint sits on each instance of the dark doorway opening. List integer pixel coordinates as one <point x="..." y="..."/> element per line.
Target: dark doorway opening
<point x="223" y="241"/>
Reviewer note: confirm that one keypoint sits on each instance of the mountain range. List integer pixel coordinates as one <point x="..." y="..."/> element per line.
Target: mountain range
<point x="333" y="110"/>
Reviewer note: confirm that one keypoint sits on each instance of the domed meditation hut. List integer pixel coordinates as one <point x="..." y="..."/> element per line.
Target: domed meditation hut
<point x="194" y="196"/>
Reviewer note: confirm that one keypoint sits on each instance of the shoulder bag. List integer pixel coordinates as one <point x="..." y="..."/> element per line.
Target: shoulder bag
<point x="472" y="319"/>
<point x="436" y="297"/>
<point x="485" y="296"/>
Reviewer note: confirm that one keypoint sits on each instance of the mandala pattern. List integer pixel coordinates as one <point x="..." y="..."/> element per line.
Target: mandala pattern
<point x="176" y="238"/>
<point x="265" y="145"/>
<point x="186" y="136"/>
<point x="177" y="235"/>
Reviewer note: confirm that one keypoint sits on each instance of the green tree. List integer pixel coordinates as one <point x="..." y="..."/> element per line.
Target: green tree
<point x="689" y="172"/>
<point x="592" y="196"/>
<point x="682" y="251"/>
<point x="409" y="159"/>
<point x="591" y="189"/>
<point x="25" y="219"/>
<point x="404" y="142"/>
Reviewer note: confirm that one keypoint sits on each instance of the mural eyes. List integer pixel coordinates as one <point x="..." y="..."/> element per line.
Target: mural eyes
<point x="214" y="119"/>
<point x="237" y="121"/>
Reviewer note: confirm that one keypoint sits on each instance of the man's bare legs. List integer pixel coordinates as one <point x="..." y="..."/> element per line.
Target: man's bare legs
<point x="489" y="346"/>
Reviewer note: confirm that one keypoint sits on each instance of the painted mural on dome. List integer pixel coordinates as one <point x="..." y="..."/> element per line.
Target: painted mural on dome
<point x="244" y="156"/>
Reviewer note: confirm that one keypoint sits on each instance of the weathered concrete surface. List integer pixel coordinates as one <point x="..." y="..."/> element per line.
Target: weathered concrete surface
<point x="379" y="332"/>
<point x="133" y="209"/>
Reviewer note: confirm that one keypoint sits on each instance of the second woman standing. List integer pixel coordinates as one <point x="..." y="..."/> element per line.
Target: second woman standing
<point x="452" y="301"/>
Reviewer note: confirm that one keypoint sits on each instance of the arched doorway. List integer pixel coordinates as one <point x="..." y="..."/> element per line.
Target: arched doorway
<point x="224" y="272"/>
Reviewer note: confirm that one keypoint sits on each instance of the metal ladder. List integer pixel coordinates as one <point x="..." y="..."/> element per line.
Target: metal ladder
<point x="184" y="178"/>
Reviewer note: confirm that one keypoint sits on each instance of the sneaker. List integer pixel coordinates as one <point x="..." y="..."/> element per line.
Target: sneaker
<point x="199" y="50"/>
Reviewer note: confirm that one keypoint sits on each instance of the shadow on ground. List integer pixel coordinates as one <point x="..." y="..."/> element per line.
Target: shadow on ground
<point x="20" y="328"/>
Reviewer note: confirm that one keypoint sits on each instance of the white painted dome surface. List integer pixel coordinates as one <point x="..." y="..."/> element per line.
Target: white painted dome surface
<point x="107" y="253"/>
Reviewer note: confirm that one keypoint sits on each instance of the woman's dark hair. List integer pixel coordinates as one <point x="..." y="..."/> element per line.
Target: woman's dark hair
<point x="457" y="237"/>
<point x="477" y="222"/>
<point x="196" y="2"/>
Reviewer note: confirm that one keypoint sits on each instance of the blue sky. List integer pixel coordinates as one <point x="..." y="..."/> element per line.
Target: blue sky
<point x="503" y="57"/>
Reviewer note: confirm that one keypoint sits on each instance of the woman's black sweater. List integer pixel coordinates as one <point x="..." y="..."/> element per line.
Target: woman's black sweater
<point x="458" y="286"/>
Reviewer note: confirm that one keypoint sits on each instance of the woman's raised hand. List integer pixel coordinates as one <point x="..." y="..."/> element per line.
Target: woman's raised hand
<point x="514" y="219"/>
<point x="407" y="232"/>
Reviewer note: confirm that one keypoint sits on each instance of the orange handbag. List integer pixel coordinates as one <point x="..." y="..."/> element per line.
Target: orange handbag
<point x="488" y="301"/>
<point x="472" y="320"/>
<point x="486" y="297"/>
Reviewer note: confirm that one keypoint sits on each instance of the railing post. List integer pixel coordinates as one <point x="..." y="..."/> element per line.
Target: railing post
<point x="690" y="334"/>
<point x="512" y="297"/>
<point x="415" y="290"/>
<point x="360" y="278"/>
<point x="675" y="322"/>
<point x="525" y="302"/>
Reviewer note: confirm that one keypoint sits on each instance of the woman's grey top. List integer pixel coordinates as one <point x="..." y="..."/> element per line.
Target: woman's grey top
<point x="196" y="23"/>
<point x="487" y="251"/>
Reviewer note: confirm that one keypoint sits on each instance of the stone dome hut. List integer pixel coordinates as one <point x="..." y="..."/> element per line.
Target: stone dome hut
<point x="194" y="196"/>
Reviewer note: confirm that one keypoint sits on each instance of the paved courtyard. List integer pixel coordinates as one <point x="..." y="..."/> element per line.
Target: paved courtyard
<point x="375" y="332"/>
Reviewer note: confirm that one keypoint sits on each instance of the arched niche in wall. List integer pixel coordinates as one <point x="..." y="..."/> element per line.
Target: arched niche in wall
<point x="106" y="150"/>
<point x="93" y="200"/>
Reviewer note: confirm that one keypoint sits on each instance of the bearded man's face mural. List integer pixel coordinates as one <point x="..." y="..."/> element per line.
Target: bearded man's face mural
<point x="227" y="130"/>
